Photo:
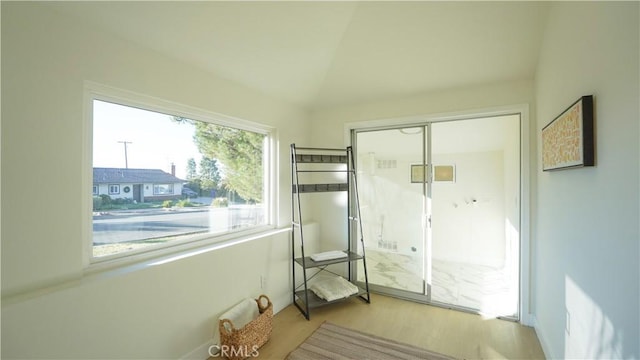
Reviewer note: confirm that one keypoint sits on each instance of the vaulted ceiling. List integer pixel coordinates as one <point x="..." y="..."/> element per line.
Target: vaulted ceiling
<point x="322" y="54"/>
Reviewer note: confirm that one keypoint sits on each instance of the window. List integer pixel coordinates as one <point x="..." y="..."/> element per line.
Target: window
<point x="163" y="189"/>
<point x="210" y="172"/>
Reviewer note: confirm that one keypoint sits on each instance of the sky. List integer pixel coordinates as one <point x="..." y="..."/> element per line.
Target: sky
<point x="155" y="141"/>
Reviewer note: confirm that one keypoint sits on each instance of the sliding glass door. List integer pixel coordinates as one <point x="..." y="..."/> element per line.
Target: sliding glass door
<point x="475" y="197"/>
<point x="392" y="202"/>
<point x="440" y="206"/>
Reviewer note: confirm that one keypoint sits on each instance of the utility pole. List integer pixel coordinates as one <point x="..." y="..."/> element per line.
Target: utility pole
<point x="126" y="160"/>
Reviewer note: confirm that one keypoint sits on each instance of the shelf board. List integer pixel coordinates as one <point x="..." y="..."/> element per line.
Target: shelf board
<point x="315" y="301"/>
<point x="308" y="263"/>
<point x="310" y="188"/>
<point x="321" y="159"/>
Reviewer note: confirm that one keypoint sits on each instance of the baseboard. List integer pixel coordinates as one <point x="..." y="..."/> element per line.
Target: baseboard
<point x="528" y="320"/>
<point x="200" y="353"/>
<point x="543" y="339"/>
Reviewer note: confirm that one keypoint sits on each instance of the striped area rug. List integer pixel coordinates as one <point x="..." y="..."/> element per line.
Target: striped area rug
<point x="331" y="341"/>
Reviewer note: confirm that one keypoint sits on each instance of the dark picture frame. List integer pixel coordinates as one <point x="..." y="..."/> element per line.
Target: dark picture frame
<point x="568" y="141"/>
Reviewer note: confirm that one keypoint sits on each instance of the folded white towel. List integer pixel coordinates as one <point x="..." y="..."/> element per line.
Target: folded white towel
<point x="333" y="288"/>
<point x="241" y="314"/>
<point x="329" y="255"/>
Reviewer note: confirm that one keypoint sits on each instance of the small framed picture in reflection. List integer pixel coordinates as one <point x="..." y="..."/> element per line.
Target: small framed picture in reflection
<point x="444" y="173"/>
<point x="417" y="173"/>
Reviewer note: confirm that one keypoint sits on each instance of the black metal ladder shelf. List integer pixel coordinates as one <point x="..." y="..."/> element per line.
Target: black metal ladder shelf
<point x="325" y="161"/>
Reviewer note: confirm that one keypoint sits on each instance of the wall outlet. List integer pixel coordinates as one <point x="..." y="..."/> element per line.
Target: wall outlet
<point x="567" y="323"/>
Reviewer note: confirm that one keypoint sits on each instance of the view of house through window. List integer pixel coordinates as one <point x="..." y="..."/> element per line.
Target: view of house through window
<point x="160" y="179"/>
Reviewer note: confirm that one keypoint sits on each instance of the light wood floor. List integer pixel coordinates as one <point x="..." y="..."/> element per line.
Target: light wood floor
<point x="454" y="333"/>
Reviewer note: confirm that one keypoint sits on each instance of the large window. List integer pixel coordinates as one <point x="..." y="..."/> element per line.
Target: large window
<point x="163" y="189"/>
<point x="188" y="179"/>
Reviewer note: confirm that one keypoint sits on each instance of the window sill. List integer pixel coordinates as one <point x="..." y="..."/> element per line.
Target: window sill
<point x="126" y="264"/>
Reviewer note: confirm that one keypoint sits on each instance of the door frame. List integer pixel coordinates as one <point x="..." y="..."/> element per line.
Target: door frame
<point x="525" y="316"/>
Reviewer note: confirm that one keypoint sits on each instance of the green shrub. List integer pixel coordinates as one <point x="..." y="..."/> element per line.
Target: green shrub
<point x="167" y="204"/>
<point x="97" y="203"/>
<point x="122" y="201"/>
<point x="106" y="199"/>
<point x="220" y="202"/>
<point x="184" y="203"/>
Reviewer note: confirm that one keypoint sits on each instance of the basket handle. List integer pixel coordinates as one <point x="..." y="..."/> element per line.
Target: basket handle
<point x="262" y="307"/>
<point x="227" y="325"/>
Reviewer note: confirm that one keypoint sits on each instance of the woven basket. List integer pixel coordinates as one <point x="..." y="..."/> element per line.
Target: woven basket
<point x="241" y="343"/>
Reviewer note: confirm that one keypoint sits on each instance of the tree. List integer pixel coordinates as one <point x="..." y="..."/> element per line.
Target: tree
<point x="191" y="169"/>
<point x="239" y="153"/>
<point x="209" y="174"/>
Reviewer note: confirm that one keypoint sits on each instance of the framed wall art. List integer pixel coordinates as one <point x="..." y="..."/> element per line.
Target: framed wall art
<point x="444" y="173"/>
<point x="568" y="140"/>
<point x="441" y="173"/>
<point x="417" y="173"/>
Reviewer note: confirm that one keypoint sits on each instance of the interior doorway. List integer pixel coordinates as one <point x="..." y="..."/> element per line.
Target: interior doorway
<point x="441" y="211"/>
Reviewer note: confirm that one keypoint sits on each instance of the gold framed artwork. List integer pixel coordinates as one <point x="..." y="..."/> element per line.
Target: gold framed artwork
<point x="444" y="173"/>
<point x="568" y="140"/>
<point x="417" y="173"/>
<point x="441" y="173"/>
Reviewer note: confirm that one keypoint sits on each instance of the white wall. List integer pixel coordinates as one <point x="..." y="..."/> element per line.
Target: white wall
<point x="52" y="309"/>
<point x="328" y="123"/>
<point x="465" y="231"/>
<point x="587" y="253"/>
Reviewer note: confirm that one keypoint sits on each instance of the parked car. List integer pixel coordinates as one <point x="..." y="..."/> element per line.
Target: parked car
<point x="189" y="193"/>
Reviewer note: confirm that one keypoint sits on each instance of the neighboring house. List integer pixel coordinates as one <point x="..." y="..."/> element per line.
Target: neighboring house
<point x="137" y="184"/>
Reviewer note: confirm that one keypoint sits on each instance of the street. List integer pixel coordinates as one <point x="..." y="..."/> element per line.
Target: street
<point x="131" y="225"/>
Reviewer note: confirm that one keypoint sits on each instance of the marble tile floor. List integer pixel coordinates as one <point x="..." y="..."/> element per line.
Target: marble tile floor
<point x="490" y="291"/>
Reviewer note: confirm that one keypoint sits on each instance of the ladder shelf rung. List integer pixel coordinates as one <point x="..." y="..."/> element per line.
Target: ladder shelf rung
<point x="318" y="149"/>
<point x="321" y="159"/>
<point x="324" y="171"/>
<point x="310" y="188"/>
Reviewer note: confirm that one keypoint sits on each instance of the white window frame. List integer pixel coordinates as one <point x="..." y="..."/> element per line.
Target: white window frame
<point x="95" y="91"/>
<point x="169" y="186"/>
<point x="96" y="189"/>
<point x="112" y="187"/>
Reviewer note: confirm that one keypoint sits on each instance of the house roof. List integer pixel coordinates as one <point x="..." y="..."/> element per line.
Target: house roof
<point x="119" y="175"/>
